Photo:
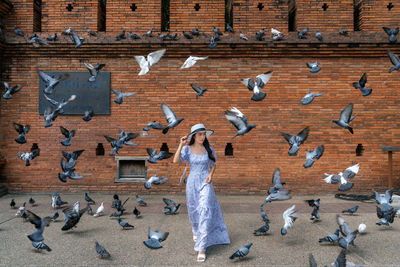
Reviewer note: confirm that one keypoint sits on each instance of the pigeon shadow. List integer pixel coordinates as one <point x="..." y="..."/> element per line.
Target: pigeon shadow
<point x="86" y="231"/>
<point x="242" y="260"/>
<point x="387" y="228"/>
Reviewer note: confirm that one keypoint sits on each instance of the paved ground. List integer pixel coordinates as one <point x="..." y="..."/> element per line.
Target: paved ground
<point x="378" y="247"/>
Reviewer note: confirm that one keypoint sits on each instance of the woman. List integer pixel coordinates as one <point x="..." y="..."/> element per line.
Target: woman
<point x="204" y="212"/>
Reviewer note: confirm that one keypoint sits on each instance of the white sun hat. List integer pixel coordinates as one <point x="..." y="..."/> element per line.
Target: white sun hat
<point x="199" y="128"/>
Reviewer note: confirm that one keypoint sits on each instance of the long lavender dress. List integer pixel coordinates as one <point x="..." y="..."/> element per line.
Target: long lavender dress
<point x="204" y="211"/>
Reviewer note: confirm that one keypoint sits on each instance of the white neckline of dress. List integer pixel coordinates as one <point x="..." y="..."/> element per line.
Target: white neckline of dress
<point x="190" y="150"/>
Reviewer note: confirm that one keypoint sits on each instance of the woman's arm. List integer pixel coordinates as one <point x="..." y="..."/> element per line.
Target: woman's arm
<point x="210" y="174"/>
<point x="178" y="151"/>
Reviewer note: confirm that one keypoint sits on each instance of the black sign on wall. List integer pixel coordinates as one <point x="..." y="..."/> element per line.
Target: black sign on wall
<point x="94" y="95"/>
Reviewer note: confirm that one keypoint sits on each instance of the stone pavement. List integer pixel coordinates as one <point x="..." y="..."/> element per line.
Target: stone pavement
<point x="378" y="247"/>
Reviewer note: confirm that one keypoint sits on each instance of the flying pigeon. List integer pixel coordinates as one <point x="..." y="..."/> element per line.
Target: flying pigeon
<point x="68" y="172"/>
<point x="72" y="216"/>
<point x="154" y="157"/>
<point x="18" y="32"/>
<point x="351" y="210"/>
<point x="302" y="34"/>
<point x="88" y="114"/>
<point x="59" y="105"/>
<point x="153" y="125"/>
<point x="195" y="32"/>
<point x="103" y="253"/>
<point x="90" y="32"/>
<point x="318" y="35"/>
<point x="152" y="59"/>
<point x="77" y="40"/>
<point x="296" y="140"/>
<point x="121" y="96"/>
<point x="89" y="199"/>
<point x="264" y="215"/>
<point x="22" y="130"/>
<point x="71" y="157"/>
<point x="361" y="85"/>
<point x="51" y="81"/>
<point x="313" y="155"/>
<point x="315" y="204"/>
<point x="276" y="35"/>
<point x="171" y="208"/>
<point x="49" y="115"/>
<point x="94" y="71"/>
<point x="314" y="67"/>
<point x="190" y="61"/>
<point x="134" y="36"/>
<point x="276" y="181"/>
<point x="155" y="180"/>
<point x="148" y="34"/>
<point x="241" y="252"/>
<point x="256" y="87"/>
<point x="186" y="35"/>
<point x="40" y="245"/>
<point x="341" y="261"/>
<point x="68" y="135"/>
<point x="330" y="238"/>
<point x="346" y="118"/>
<point x="10" y="90"/>
<point x="395" y="61"/>
<point x="260" y="34"/>
<point x="238" y="120"/>
<point x="140" y="201"/>
<point x="278" y="195"/>
<point x="213" y="42"/>
<point x="39" y="223"/>
<point x="136" y="212"/>
<point x="28" y="155"/>
<point x="99" y="210"/>
<point x="155" y="238"/>
<point x="123" y="139"/>
<point x="343" y="178"/>
<point x="289" y="216"/>
<point x="392" y="33"/>
<point x="349" y="236"/>
<point x="124" y="224"/>
<point x="12" y="204"/>
<point x="56" y="201"/>
<point x="170" y="117"/>
<point x="309" y="97"/>
<point x="386" y="213"/>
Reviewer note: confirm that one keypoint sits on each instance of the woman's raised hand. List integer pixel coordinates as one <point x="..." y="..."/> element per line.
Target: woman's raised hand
<point x="183" y="139"/>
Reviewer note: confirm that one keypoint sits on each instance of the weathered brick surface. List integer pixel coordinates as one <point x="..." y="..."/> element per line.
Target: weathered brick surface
<point x="21" y="16"/>
<point x="375" y="14"/>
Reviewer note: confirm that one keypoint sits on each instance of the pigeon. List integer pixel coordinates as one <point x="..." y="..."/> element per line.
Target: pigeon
<point x="153" y="125"/>
<point x="296" y="140"/>
<point x="155" y="239"/>
<point x="71" y="157"/>
<point x="264" y="215"/>
<point x="22" y="130"/>
<point x="361" y="85"/>
<point x="51" y="81"/>
<point x="262" y="230"/>
<point x="362" y="228"/>
<point x="56" y="201"/>
<point x="170" y="117"/>
<point x="148" y="34"/>
<point x="195" y="32"/>
<point x="72" y="216"/>
<point x="89" y="209"/>
<point x="229" y="28"/>
<point x="278" y="195"/>
<point x="186" y="35"/>
<point x="198" y="90"/>
<point x="341" y="261"/>
<point x="349" y="236"/>
<point x="40" y="245"/>
<point x="67" y="31"/>
<point x="342" y="178"/>
<point x="276" y="35"/>
<point x="99" y="210"/>
<point x="163" y="37"/>
<point x="302" y="34"/>
<point x="213" y="42"/>
<point x="190" y="61"/>
<point x="77" y="40"/>
<point x="121" y="96"/>
<point x="261" y="80"/>
<point x="94" y="71"/>
<point x="343" y="32"/>
<point x="68" y="172"/>
<point x="314" y="68"/>
<point x="318" y="35"/>
<point x="32" y="202"/>
<point x="384" y="199"/>
<point x="155" y="180"/>
<point x="260" y="34"/>
<point x="89" y="199"/>
<point x="59" y="105"/>
<point x="173" y="37"/>
<point x="152" y="59"/>
<point x="28" y="155"/>
<point x="39" y="223"/>
<point x="88" y="114"/>
<point x="124" y="224"/>
<point x="123" y="139"/>
<point x="101" y="251"/>
<point x="312" y="261"/>
<point x="49" y="115"/>
<point x="386" y="213"/>
<point x="134" y="36"/>
<point x="36" y="41"/>
<point x="289" y="216"/>
<point x="313" y="155"/>
<point x="140" y="201"/>
<point x="171" y="208"/>
<point x="276" y="181"/>
<point x="352" y="210"/>
<point x="346" y="118"/>
<point x="120" y="36"/>
<point x="21" y="211"/>
<point x="54" y="216"/>
<point x="12" y="204"/>
<point x="315" y="204"/>
<point x="10" y="90"/>
<point x="18" y="32"/>
<point x="216" y="31"/>
<point x="392" y="34"/>
<point x="238" y="120"/>
<point x="117" y="214"/>
<point x="330" y="238"/>
<point x="90" y="32"/>
<point x="309" y="97"/>
<point x="395" y="61"/>
<point x="242" y="36"/>
<point x="136" y="212"/>
<point x="68" y="135"/>
<point x="241" y="252"/>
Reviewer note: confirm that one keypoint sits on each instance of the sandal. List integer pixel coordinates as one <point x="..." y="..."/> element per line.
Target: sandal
<point x="201" y="257"/>
<point x="194" y="238"/>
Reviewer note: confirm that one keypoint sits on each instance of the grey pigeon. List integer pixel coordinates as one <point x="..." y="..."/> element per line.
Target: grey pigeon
<point x="264" y="215"/>
<point x="186" y="35"/>
<point x="89" y="199"/>
<point x="262" y="230"/>
<point x="49" y="115"/>
<point x="67" y="31"/>
<point x="351" y="210"/>
<point x="51" y="81"/>
<point x="88" y="114"/>
<point x="276" y="35"/>
<point x="39" y="223"/>
<point x="68" y="172"/>
<point x="256" y="86"/>
<point x="229" y="28"/>
<point x="101" y="251"/>
<point x="314" y="67"/>
<point x="309" y="97"/>
<point x="68" y="135"/>
<point x="55" y="216"/>
<point x="77" y="40"/>
<point x="213" y="42"/>
<point x="238" y="120"/>
<point x="302" y="34"/>
<point x="40" y="245"/>
<point x="346" y="118"/>
<point x="387" y="212"/>
<point x="195" y="32"/>
<point x="56" y="201"/>
<point x="94" y="70"/>
<point x="343" y="32"/>
<point x="216" y="31"/>
<point x="59" y="105"/>
<point x="171" y="207"/>
<point x="153" y="125"/>
<point x="276" y="196"/>
<point x="134" y="36"/>
<point x="330" y="238"/>
<point x="36" y="41"/>
<point x="90" y="32"/>
<point x="28" y="155"/>
<point x="18" y="32"/>
<point x="296" y="140"/>
<point x="346" y="232"/>
<point x="349" y="239"/>
<point x="155" y="239"/>
<point x="120" y="36"/>
<point x="124" y="224"/>
<point x="318" y="35"/>
<point x="72" y="216"/>
<point x="289" y="216"/>
<point x="315" y="204"/>
<point x="170" y="117"/>
<point x="136" y="212"/>
<point x="89" y="209"/>
<point x="241" y="252"/>
<point x="276" y="182"/>
<point x="276" y="192"/>
<point x="392" y="33"/>
<point x="10" y="90"/>
<point x="163" y="37"/>
<point x="71" y="157"/>
<point x="341" y="261"/>
<point x="260" y="35"/>
<point x="361" y="85"/>
<point x="312" y="261"/>
<point x="121" y="96"/>
<point x="173" y="37"/>
<point x="395" y="61"/>
<point x="140" y="201"/>
<point x="155" y="180"/>
<point x="146" y="63"/>
<point x="123" y="139"/>
<point x="343" y="178"/>
<point x="12" y="203"/>
<point x="313" y="155"/>
<point x="148" y="34"/>
<point x="242" y="36"/>
<point x="198" y="90"/>
<point x="22" y="130"/>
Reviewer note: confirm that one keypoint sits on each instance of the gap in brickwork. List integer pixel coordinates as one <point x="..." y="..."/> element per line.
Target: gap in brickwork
<point x="165" y="15"/>
<point x="356" y="15"/>
<point x="325" y="6"/>
<point x="228" y="149"/>
<point x="100" y="149"/>
<point x="69" y="7"/>
<point x="164" y="147"/>
<point x="229" y="12"/>
<point x="101" y="16"/>
<point x="35" y="146"/>
<point x="359" y="150"/>
<point x="133" y="7"/>
<point x="37" y="15"/>
<point x="260" y="6"/>
<point x="197" y="7"/>
<point x="390" y="6"/>
<point x="292" y="16"/>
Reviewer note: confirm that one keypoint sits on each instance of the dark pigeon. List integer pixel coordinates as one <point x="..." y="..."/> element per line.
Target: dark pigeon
<point x="395" y="61"/>
<point x="55" y="216"/>
<point x="124" y="224"/>
<point x="51" y="81"/>
<point x="123" y="139"/>
<point x="296" y="140"/>
<point x="136" y="212"/>
<point x="28" y="155"/>
<point x="153" y="125"/>
<point x="155" y="239"/>
<point x="229" y="28"/>
<point x="89" y="199"/>
<point x="72" y="216"/>
<point x="10" y="90"/>
<point x="346" y="118"/>
<point x="12" y="204"/>
<point x="361" y="85"/>
<point x="343" y="32"/>
<point x="32" y="202"/>
<point x="134" y="36"/>
<point x="39" y="223"/>
<point x="216" y="31"/>
<point x="198" y="90"/>
<point x="171" y="118"/>
<point x="186" y="35"/>
<point x="392" y="34"/>
<point x="195" y="32"/>
<point x="68" y="135"/>
<point x="318" y="35"/>
<point x="241" y="252"/>
<point x="302" y="34"/>
<point x="94" y="70"/>
<point x="330" y="238"/>
<point x="154" y="157"/>
<point x="260" y="35"/>
<point x="264" y="215"/>
<point x="101" y="251"/>
<point x="120" y="36"/>
<point x="22" y="130"/>
<point x="313" y="155"/>
<point x="88" y="114"/>
<point x="262" y="230"/>
<point x="171" y="207"/>
<point x="52" y="37"/>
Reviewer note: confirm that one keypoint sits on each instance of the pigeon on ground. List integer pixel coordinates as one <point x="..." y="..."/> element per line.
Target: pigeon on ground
<point x="89" y="199"/>
<point x="125" y="225"/>
<point x="155" y="180"/>
<point x="313" y="155"/>
<point x="51" y="81"/>
<point x="238" y="120"/>
<point x="56" y="201"/>
<point x="12" y="203"/>
<point x="256" y="86"/>
<point x="121" y="96"/>
<point x="89" y="209"/>
<point x="302" y="34"/>
<point x="59" y="105"/>
<point x="152" y="59"/>
<point x="264" y="215"/>
<point x="318" y="35"/>
<point x="50" y="114"/>
<point x="213" y="42"/>
<point x="52" y="37"/>
<point x="101" y="251"/>
<point x="330" y="238"/>
<point x="361" y="85"/>
<point x="90" y="32"/>
<point x="32" y="202"/>
<point x="94" y="71"/>
<point x="349" y="236"/>
<point x="262" y="230"/>
<point x="190" y="61"/>
<point x="140" y="201"/>
<point x="343" y="178"/>
<point x="241" y="252"/>
<point x="72" y="216"/>
<point x="22" y="130"/>
<point x="40" y="245"/>
<point x="123" y="139"/>
<point x="289" y="216"/>
<point x="343" y="32"/>
<point x="134" y="36"/>
<point x="68" y="135"/>
<point x="88" y="114"/>
<point x="229" y="28"/>
<point x="314" y="67"/>
<point x="21" y="211"/>
<point x="260" y="34"/>
<point x="153" y="125"/>
<point x="154" y="157"/>
<point x="309" y="97"/>
<point x="136" y="212"/>
<point x="54" y="216"/>
<point x="28" y="155"/>
<point x="171" y="207"/>
<point x="187" y="35"/>
<point x="155" y="239"/>
<point x="148" y="34"/>
<point x="39" y="223"/>
<point x="395" y="61"/>
<point x="99" y="210"/>
<point x="77" y="40"/>
<point x="276" y="35"/>
<point x="195" y="32"/>
<point x="10" y="90"/>
<point x="242" y="36"/>
<point x="170" y="117"/>
<point x="392" y="33"/>
<point x="296" y="140"/>
<point x="120" y="36"/>
<point x="351" y="210"/>
<point x="346" y="118"/>
<point x="117" y="214"/>
<point x="315" y="204"/>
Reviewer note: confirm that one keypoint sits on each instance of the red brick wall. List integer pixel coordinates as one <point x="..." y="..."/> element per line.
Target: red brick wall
<point x="21" y="16"/>
<point x="375" y="14"/>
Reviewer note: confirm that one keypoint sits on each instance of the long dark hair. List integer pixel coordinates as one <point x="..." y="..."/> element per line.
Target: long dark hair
<point x="206" y="145"/>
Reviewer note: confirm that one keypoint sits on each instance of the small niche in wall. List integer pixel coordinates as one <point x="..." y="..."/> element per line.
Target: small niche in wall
<point x="197" y="7"/>
<point x="260" y="6"/>
<point x="359" y="150"/>
<point x="100" y="149"/>
<point x="228" y="149"/>
<point x="164" y="147"/>
<point x="390" y="6"/>
<point x="325" y="6"/>
<point x="69" y="7"/>
<point x="133" y="7"/>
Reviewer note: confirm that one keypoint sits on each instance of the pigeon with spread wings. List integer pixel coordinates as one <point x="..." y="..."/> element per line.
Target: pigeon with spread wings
<point x="152" y="59"/>
<point x="256" y="86"/>
<point x="238" y="120"/>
